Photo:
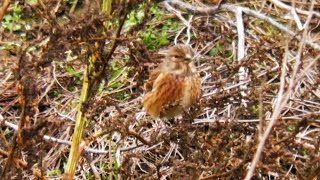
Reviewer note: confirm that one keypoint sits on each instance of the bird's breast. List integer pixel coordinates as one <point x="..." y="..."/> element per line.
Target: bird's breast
<point x="171" y="94"/>
<point x="191" y="90"/>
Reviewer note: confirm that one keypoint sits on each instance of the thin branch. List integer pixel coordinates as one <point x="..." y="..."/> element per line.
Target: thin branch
<point x="276" y="113"/>
<point x="243" y="72"/>
<point x="287" y="7"/>
<point x="24" y="103"/>
<point x="184" y="21"/>
<point x="232" y="8"/>
<point x="65" y="142"/>
<point x="282" y="96"/>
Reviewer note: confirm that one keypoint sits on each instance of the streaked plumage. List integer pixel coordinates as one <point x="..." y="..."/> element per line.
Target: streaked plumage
<point x="174" y="86"/>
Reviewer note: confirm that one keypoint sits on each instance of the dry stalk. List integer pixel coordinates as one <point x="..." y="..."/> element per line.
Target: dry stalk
<point x="228" y="7"/>
<point x="76" y="149"/>
<point x="276" y="113"/>
<point x="87" y="90"/>
<point x="282" y="97"/>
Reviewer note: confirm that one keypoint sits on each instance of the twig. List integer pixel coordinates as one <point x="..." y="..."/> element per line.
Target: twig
<point x="287" y="7"/>
<point x="296" y="18"/>
<point x="276" y="113"/>
<point x="24" y="102"/>
<point x="19" y="162"/>
<point x="65" y="142"/>
<point x="55" y="77"/>
<point x="232" y="8"/>
<point x="243" y="72"/>
<point x="178" y="34"/>
<point x="48" y="88"/>
<point x="188" y="31"/>
<point x="260" y="75"/>
<point x="173" y="146"/>
<point x="184" y="21"/>
<point x="282" y="96"/>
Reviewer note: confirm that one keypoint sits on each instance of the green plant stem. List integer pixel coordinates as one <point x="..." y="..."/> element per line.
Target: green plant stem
<point x="78" y="131"/>
<point x="74" y="5"/>
<point x="86" y="91"/>
<point x="106" y="6"/>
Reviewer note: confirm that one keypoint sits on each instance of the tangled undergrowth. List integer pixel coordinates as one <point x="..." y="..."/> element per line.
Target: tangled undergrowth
<point x="260" y="82"/>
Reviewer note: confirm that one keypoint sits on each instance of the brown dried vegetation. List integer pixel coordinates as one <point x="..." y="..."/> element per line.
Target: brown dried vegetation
<point x="41" y="80"/>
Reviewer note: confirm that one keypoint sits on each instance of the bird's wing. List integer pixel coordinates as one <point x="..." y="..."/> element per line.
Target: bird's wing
<point x="152" y="77"/>
<point x="166" y="91"/>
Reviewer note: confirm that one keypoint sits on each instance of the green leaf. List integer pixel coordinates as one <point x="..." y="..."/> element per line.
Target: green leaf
<point x="54" y="172"/>
<point x="12" y="20"/>
<point x="291" y="128"/>
<point x="213" y="52"/>
<point x="73" y="72"/>
<point x="32" y="2"/>
<point x="163" y="39"/>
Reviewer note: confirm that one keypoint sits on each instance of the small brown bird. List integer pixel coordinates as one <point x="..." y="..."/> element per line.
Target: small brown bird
<point x="173" y="86"/>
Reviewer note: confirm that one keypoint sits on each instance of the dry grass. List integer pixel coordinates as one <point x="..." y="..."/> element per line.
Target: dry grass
<point x="260" y="107"/>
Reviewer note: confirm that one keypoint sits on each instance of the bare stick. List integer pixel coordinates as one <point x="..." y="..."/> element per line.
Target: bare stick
<point x="277" y="110"/>
<point x="184" y="21"/>
<point x="282" y="97"/>
<point x="65" y="142"/>
<point x="243" y="73"/>
<point x="287" y="7"/>
<point x="228" y="7"/>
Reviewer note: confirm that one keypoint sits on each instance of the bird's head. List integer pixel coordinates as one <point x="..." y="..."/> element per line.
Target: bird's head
<point x="179" y="60"/>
